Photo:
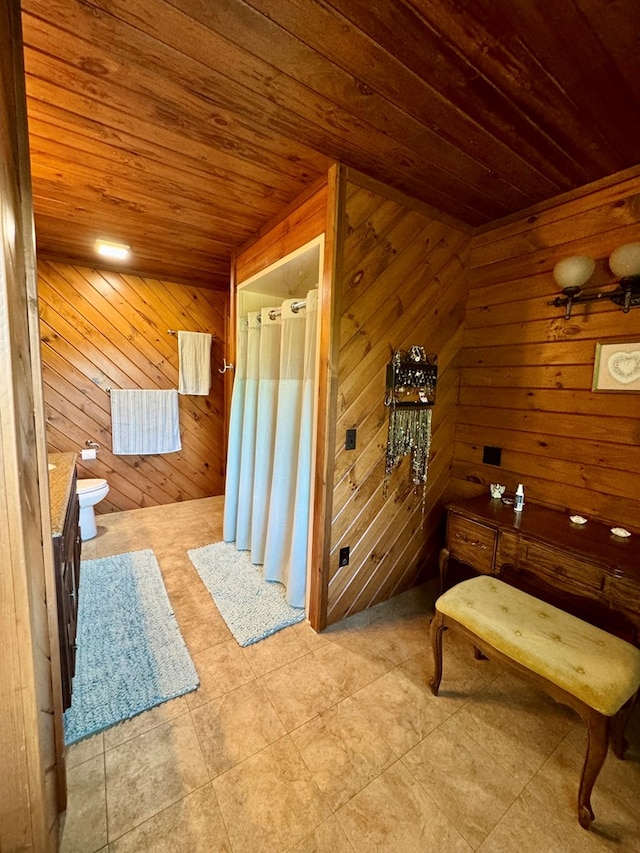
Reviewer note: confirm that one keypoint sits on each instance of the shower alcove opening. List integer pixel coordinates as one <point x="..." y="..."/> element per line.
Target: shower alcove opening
<point x="272" y="422"/>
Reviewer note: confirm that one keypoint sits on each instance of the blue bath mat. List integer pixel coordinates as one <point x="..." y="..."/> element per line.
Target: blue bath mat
<point x="252" y="607"/>
<point x="130" y="652"/>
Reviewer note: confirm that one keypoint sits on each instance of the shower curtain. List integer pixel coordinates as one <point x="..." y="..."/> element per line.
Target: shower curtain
<point x="247" y="446"/>
<point x="296" y="580"/>
<point x="234" y="448"/>
<point x="269" y="372"/>
<point x="270" y="445"/>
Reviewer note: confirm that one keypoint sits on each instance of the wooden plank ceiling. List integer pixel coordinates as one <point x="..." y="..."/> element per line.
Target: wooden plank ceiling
<point x="181" y="127"/>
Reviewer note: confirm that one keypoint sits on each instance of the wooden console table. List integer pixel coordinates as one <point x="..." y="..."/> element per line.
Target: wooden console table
<point x="583" y="569"/>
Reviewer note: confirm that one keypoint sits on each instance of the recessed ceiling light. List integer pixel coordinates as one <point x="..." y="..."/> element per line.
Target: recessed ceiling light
<point x="115" y="251"/>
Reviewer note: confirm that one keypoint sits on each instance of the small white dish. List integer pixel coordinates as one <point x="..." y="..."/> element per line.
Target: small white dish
<point x="620" y="531"/>
<point x="578" y="519"/>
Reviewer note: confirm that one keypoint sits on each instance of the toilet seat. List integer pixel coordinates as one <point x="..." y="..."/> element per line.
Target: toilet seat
<point x="85" y="487"/>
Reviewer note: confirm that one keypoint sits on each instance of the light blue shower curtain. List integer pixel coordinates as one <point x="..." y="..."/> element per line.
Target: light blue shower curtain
<point x="295" y="576"/>
<point x="285" y="453"/>
<point x="247" y="455"/>
<point x="274" y="434"/>
<point x="234" y="448"/>
<point x="269" y="373"/>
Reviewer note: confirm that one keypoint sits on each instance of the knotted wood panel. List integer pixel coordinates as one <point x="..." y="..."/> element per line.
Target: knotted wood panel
<point x="526" y="371"/>
<point x="402" y="283"/>
<point x="102" y="330"/>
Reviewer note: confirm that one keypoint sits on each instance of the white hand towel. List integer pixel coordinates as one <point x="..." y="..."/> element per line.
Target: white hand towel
<point x="144" y="422"/>
<point x="194" y="351"/>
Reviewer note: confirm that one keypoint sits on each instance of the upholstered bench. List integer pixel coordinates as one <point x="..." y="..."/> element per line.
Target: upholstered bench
<point x="593" y="672"/>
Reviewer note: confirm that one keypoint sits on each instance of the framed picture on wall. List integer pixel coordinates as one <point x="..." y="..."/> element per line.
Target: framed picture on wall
<point x="617" y="366"/>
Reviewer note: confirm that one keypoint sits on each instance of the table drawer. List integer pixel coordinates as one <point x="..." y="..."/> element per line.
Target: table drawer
<point x="562" y="570"/>
<point x="508" y="550"/>
<point x="471" y="542"/>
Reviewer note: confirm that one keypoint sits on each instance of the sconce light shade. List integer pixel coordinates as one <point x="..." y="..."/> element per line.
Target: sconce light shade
<point x="574" y="271"/>
<point x="625" y="260"/>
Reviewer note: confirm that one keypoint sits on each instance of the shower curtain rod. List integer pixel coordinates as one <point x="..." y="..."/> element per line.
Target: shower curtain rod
<point x="276" y="312"/>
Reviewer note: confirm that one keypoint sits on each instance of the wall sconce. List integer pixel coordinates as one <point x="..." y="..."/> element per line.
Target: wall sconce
<point x="572" y="273"/>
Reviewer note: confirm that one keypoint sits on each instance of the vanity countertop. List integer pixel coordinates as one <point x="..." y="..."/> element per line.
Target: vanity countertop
<point x="60" y="484"/>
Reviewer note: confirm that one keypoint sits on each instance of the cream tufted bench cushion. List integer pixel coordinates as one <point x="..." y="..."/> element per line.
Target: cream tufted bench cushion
<point x="593" y="665"/>
<point x="595" y="673"/>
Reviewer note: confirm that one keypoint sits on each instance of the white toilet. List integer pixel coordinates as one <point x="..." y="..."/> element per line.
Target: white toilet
<point x="90" y="492"/>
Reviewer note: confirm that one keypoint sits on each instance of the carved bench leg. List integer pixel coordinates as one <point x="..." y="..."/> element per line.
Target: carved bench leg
<point x="437" y="626"/>
<point x="597" y="743"/>
<point x="618" y="725"/>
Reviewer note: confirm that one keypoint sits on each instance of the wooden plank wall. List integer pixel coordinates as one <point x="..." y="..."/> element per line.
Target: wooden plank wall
<point x="526" y="371"/>
<point x="102" y="329"/>
<point x="296" y="225"/>
<point x="403" y="282"/>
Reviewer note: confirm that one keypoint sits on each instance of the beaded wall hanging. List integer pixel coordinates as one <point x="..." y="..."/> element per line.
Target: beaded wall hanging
<point x="411" y="393"/>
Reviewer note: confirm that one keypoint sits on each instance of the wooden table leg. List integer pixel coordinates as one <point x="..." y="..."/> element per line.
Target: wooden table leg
<point x="597" y="743"/>
<point x="437" y="626"/>
<point x="442" y="565"/>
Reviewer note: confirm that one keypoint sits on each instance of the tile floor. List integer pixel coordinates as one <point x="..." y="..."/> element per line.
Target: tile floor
<point x="333" y="743"/>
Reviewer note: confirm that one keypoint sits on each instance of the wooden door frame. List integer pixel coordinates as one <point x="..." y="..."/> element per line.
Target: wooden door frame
<point x="329" y="334"/>
<point x="32" y="786"/>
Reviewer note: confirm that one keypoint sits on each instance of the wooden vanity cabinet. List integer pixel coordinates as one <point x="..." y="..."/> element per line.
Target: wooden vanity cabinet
<point x="583" y="569"/>
<point x="66" y="552"/>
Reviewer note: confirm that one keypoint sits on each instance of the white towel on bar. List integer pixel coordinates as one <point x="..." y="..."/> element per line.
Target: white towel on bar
<point x="194" y="351"/>
<point x="144" y="422"/>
